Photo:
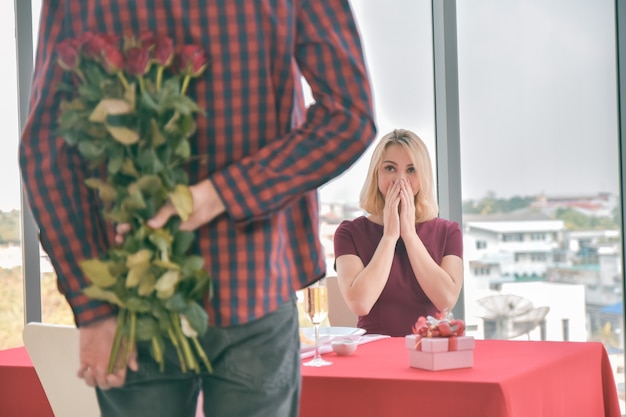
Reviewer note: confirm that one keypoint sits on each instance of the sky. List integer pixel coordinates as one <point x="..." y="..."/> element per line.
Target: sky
<point x="537" y="93"/>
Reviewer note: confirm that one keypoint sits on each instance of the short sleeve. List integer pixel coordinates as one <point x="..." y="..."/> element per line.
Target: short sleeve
<point x="343" y="240"/>
<point x="454" y="241"/>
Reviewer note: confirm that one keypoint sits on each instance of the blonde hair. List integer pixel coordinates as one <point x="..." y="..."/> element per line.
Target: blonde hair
<point x="373" y="201"/>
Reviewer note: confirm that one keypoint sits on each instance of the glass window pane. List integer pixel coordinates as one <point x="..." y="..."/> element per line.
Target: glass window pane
<point x="11" y="282"/>
<point x="540" y="169"/>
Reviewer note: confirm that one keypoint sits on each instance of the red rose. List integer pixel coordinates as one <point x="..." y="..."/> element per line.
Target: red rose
<point x="137" y="61"/>
<point x="164" y="51"/>
<point x="94" y="46"/>
<point x="191" y="60"/>
<point x="69" y="54"/>
<point x="112" y="58"/>
<point x="147" y="39"/>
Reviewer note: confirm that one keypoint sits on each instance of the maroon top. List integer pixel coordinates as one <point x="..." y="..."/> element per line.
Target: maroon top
<point x="402" y="300"/>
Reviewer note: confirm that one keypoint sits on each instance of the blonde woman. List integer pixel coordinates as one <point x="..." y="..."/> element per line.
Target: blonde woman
<point x="400" y="261"/>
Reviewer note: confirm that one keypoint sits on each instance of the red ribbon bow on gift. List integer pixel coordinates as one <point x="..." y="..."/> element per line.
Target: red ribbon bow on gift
<point x="442" y="325"/>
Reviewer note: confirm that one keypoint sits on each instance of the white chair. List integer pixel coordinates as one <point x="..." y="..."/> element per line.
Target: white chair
<point x="339" y="314"/>
<point x="54" y="351"/>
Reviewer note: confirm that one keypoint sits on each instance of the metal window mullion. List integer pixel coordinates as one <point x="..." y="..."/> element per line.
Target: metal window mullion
<point x="620" y="41"/>
<point x="447" y="122"/>
<point x="30" y="242"/>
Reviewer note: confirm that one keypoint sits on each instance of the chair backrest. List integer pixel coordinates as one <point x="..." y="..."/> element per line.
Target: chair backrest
<point x="54" y="351"/>
<point x="339" y="314"/>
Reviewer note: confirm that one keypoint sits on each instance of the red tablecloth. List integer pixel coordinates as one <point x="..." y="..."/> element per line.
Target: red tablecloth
<point x="21" y="393"/>
<point x="508" y="379"/>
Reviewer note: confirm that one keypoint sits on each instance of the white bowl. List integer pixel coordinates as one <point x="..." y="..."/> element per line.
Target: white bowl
<point x="344" y="347"/>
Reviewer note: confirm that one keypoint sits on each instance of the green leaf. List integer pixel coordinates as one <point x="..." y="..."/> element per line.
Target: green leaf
<point x="116" y="268"/>
<point x="182" y="242"/>
<point x="147" y="328"/>
<point x="188" y="126"/>
<point x="130" y="96"/>
<point x="183" y="149"/>
<point x="182" y="200"/>
<point x="201" y="286"/>
<point x="118" y="216"/>
<point x="149" y="103"/>
<point x="128" y="168"/>
<point x="90" y="150"/>
<point x="179" y="176"/>
<point x="140" y="257"/>
<point x="147" y="285"/>
<point x="98" y="293"/>
<point x="115" y="163"/>
<point x="149" y="162"/>
<point x="172" y="124"/>
<point x="149" y="184"/>
<point x="193" y="263"/>
<point x="166" y="284"/>
<point x="197" y="317"/>
<point x="109" y="106"/>
<point x="136" y="274"/>
<point x="121" y="120"/>
<point x="107" y="192"/>
<point x="157" y="136"/>
<point x="176" y="303"/>
<point x="166" y="264"/>
<point x="98" y="272"/>
<point x="123" y="135"/>
<point x="133" y="202"/>
<point x="139" y="305"/>
<point x="89" y="92"/>
<point x="162" y="239"/>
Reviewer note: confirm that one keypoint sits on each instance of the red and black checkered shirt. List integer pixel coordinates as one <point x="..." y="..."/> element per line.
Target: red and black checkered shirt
<point x="266" y="154"/>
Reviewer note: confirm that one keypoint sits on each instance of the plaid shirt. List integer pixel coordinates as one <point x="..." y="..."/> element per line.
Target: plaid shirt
<point x="266" y="156"/>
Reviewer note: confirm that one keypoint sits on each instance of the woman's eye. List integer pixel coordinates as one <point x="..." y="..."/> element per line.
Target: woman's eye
<point x="389" y="168"/>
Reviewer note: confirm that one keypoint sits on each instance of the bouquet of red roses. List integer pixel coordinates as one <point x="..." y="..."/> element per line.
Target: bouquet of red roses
<point x="128" y="115"/>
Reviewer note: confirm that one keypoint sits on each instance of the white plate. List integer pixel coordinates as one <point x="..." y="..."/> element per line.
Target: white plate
<point x="329" y="333"/>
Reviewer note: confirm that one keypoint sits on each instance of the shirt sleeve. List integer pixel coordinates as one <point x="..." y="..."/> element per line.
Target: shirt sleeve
<point x="454" y="241"/>
<point x="343" y="240"/>
<point x="338" y="127"/>
<point x="70" y="221"/>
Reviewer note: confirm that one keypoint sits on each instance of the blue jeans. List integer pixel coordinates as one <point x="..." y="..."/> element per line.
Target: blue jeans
<point x="256" y="373"/>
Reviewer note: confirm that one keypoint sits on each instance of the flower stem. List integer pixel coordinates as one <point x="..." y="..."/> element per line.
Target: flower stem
<point x="121" y="319"/>
<point x="158" y="354"/>
<point x="181" y="359"/>
<point x="189" y="358"/>
<point x="183" y="89"/>
<point x="122" y="78"/>
<point x="202" y="354"/>
<point x="130" y="342"/>
<point x="159" y="79"/>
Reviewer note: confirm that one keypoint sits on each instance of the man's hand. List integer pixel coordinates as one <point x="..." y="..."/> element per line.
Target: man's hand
<point x="96" y="340"/>
<point x="206" y="205"/>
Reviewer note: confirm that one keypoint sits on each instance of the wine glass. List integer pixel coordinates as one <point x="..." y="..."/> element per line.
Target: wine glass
<point x="316" y="310"/>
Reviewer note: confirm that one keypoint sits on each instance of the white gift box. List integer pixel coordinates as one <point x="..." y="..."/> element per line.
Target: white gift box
<point x="440" y="353"/>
